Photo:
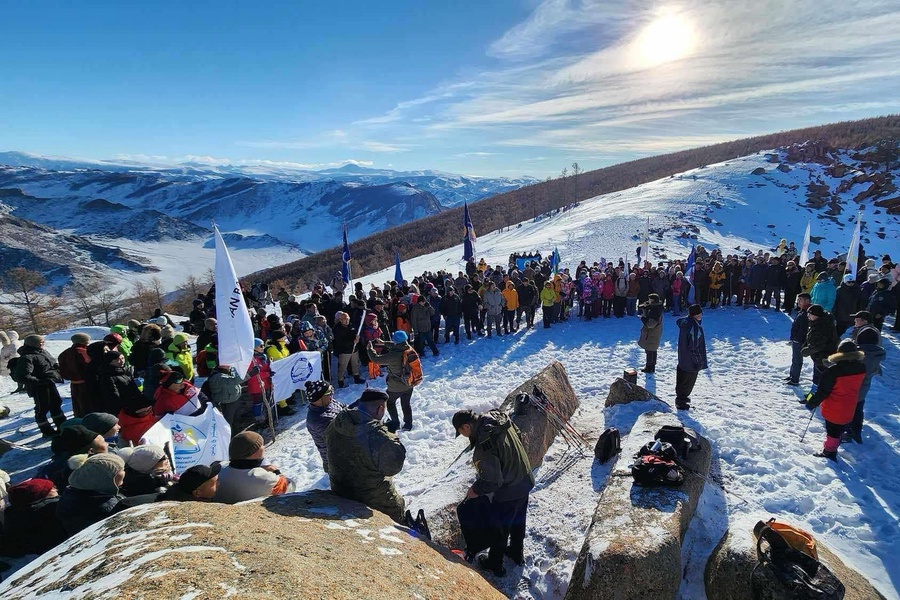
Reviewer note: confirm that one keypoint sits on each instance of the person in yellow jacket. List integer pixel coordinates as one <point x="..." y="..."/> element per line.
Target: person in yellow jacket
<point x="548" y="299"/>
<point x="716" y="280"/>
<point x="512" y="305"/>
<point x="558" y="305"/>
<point x="482" y="266"/>
<point x="808" y="278"/>
<point x="276" y="349"/>
<point x="179" y="352"/>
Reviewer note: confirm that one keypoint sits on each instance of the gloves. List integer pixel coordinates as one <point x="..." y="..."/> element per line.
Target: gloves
<point x="254" y="371"/>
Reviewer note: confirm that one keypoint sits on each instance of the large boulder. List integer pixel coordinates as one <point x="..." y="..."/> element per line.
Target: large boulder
<point x="633" y="546"/>
<point x="623" y="392"/>
<point x="731" y="563"/>
<point x="309" y="545"/>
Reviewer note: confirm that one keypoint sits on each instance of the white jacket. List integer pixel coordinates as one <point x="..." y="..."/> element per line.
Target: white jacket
<point x="238" y="485"/>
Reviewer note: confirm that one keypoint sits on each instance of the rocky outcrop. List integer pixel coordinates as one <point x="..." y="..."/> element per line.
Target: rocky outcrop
<point x="758" y="171"/>
<point x="732" y="562"/>
<point x="633" y="546"/>
<point x="312" y="545"/>
<point x="623" y="392"/>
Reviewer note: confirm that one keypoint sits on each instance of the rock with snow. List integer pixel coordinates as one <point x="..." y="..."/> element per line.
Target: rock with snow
<point x="732" y="562"/>
<point x="633" y="546"/>
<point x="309" y="545"/>
<point x="623" y="392"/>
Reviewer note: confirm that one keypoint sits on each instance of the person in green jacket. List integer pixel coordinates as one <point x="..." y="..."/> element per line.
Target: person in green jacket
<point x="392" y="358"/>
<point x="548" y="299"/>
<point x="363" y="456"/>
<point x="126" y="343"/>
<point x="179" y="352"/>
<point x="504" y="475"/>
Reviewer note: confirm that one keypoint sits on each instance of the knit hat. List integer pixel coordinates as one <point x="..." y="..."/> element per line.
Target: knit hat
<point x="816" y="310"/>
<point x="166" y="332"/>
<point x="156" y="355"/>
<point x="847" y="346"/>
<point x="373" y="395"/>
<point x="864" y="315"/>
<point x="119" y="329"/>
<point x="73" y="440"/>
<point x="278" y="335"/>
<point x="95" y="473"/>
<point x="316" y="390"/>
<point x="695" y="310"/>
<point x="244" y="444"/>
<point x="29" y="491"/>
<point x="823" y="276"/>
<point x="112" y="339"/>
<point x="144" y="458"/>
<point x="81" y="338"/>
<point x="134" y="324"/>
<point x="257" y="342"/>
<point x="111" y="357"/>
<point x="210" y="324"/>
<point x="461" y="417"/>
<point x="179" y="338"/>
<point x="33" y="341"/>
<point x="399" y="337"/>
<point x="196" y="476"/>
<point x="100" y="422"/>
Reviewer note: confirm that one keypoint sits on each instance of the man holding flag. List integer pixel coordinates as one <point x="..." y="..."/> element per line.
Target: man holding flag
<point x="469" y="239"/>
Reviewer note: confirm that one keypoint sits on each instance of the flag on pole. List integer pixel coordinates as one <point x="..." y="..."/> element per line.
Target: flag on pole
<point x="554" y="261"/>
<point x="645" y="243"/>
<point x="804" y="252"/>
<point x="691" y="259"/>
<point x="469" y="239"/>
<point x="398" y="275"/>
<point x="292" y="373"/>
<point x="234" y="326"/>
<point x="853" y="252"/>
<point x="345" y="259"/>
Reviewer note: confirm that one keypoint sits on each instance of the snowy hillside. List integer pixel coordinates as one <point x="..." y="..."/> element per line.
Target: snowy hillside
<point x="739" y="404"/>
<point x="274" y="216"/>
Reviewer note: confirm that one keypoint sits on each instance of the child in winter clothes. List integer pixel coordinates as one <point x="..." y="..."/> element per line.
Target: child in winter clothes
<point x="677" y="285"/>
<point x="259" y="386"/>
<point x="179" y="352"/>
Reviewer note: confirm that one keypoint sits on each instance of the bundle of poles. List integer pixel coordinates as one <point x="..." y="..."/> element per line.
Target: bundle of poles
<point x="572" y="436"/>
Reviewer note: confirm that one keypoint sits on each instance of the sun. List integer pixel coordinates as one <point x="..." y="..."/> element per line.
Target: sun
<point x="668" y="38"/>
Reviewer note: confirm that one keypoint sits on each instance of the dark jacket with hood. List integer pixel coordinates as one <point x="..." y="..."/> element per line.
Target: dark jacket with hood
<point x="36" y="368"/>
<point x="118" y="388"/>
<point x="822" y="339"/>
<point x="691" y="345"/>
<point x="363" y="456"/>
<point x="31" y="529"/>
<point x="500" y="458"/>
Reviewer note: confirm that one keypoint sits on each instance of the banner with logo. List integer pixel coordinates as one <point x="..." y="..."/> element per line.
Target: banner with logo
<point x="199" y="440"/>
<point x="291" y="373"/>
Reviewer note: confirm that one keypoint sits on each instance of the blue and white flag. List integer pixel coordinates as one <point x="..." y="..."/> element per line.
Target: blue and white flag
<point x="197" y="440"/>
<point x="345" y="259"/>
<point x="469" y="239"/>
<point x="234" y="326"/>
<point x="554" y="261"/>
<point x="691" y="259"/>
<point x="292" y="372"/>
<point x="398" y="274"/>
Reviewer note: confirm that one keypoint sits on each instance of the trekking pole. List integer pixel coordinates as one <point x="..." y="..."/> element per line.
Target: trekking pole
<point x="266" y="407"/>
<point x="811" y="415"/>
<point x="577" y="434"/>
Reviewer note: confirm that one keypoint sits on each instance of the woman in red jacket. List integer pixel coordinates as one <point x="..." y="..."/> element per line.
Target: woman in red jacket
<point x="176" y="395"/>
<point x="837" y="393"/>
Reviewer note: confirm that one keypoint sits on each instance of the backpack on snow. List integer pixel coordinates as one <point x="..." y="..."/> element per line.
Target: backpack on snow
<point x="609" y="445"/>
<point x="788" y="567"/>
<point x="411" y="371"/>
<point x="651" y="470"/>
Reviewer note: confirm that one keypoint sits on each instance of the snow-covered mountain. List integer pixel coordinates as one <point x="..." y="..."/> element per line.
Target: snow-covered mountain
<point x="273" y="215"/>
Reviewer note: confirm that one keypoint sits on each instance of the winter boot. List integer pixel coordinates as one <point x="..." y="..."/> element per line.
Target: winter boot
<point x="285" y="411"/>
<point x="485" y="564"/>
<point x="341" y="383"/>
<point x="422" y="525"/>
<point x="832" y="455"/>
<point x="516" y="558"/>
<point x="683" y="404"/>
<point x="358" y="379"/>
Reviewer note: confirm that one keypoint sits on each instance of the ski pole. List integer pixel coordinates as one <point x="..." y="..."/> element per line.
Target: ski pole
<point x="811" y="415"/>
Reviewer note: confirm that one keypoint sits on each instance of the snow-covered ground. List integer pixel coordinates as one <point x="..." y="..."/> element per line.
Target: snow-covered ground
<point x="753" y="422"/>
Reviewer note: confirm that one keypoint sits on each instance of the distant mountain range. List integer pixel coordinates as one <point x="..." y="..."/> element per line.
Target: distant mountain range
<point x="121" y="219"/>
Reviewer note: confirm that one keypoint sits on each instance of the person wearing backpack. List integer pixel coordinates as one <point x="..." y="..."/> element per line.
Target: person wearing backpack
<point x="404" y="369"/>
<point x="38" y="371"/>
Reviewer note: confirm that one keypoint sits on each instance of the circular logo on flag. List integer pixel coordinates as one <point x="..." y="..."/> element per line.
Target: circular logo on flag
<point x="302" y="370"/>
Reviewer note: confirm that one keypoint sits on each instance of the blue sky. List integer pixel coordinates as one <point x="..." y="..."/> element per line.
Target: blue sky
<point x="499" y="87"/>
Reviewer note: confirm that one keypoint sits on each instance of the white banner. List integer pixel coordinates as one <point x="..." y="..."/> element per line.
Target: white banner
<point x="645" y="242"/>
<point x="804" y="252"/>
<point x="200" y="440"/>
<point x="234" y="326"/>
<point x="853" y="252"/>
<point x="289" y="374"/>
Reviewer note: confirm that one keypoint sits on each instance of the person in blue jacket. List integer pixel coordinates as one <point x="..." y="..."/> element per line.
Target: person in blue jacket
<point x="691" y="355"/>
<point x="823" y="292"/>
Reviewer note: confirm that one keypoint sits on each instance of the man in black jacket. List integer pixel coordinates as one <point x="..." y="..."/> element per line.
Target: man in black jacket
<point x="776" y="277"/>
<point x="821" y="340"/>
<point x="527" y="301"/>
<point x="39" y="372"/>
<point x="799" y="329"/>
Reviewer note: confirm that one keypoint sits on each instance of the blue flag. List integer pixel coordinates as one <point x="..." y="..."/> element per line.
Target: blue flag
<point x="469" y="239"/>
<point x="554" y="261"/>
<point x="345" y="259"/>
<point x="398" y="275"/>
<point x="691" y="259"/>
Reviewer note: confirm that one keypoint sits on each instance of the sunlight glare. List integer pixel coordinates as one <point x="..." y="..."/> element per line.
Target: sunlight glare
<point x="668" y="38"/>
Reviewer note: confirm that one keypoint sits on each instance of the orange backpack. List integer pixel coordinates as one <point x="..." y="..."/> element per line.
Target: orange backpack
<point x="411" y="373"/>
<point x="796" y="538"/>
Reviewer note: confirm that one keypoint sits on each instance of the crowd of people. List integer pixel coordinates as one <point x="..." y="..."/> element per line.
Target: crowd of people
<point x="125" y="382"/>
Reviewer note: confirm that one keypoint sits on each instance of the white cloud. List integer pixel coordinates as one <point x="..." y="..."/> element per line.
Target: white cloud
<point x="477" y="154"/>
<point x="373" y="146"/>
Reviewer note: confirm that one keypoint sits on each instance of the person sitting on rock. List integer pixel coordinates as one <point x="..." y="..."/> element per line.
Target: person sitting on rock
<point x="30" y="522"/>
<point x="199" y="483"/>
<point x="363" y="456"/>
<point x="323" y="408"/>
<point x="147" y="470"/>
<point x="93" y="491"/>
<point x="105" y="424"/>
<point x="247" y="475"/>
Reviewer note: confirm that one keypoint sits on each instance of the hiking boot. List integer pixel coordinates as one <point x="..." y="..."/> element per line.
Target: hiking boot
<point x="792" y="383"/>
<point x="392" y="426"/>
<point x="646" y="370"/>
<point x="515" y="557"/>
<point x="407" y="427"/>
<point x="826" y="454"/>
<point x="856" y="436"/>
<point x="358" y="379"/>
<point x="846" y="437"/>
<point x="788" y="378"/>
<point x="683" y="404"/>
<point x="485" y="564"/>
<point x="341" y="384"/>
<point x="285" y="411"/>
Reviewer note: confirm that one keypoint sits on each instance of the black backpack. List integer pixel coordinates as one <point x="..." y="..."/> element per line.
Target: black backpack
<point x="784" y="573"/>
<point x="651" y="470"/>
<point x="609" y="444"/>
<point x="11" y="367"/>
<point x="682" y="439"/>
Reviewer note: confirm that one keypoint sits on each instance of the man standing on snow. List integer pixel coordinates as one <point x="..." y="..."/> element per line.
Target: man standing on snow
<point x="504" y="475"/>
<point x="38" y="371"/>
<point x="691" y="355"/>
<point x="799" y="329"/>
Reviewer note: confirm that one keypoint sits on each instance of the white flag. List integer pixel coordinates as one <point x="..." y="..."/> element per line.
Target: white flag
<point x="853" y="252"/>
<point x="645" y="243"/>
<point x="234" y="326"/>
<point x="289" y="374"/>
<point x="199" y="440"/>
<point x="804" y="252"/>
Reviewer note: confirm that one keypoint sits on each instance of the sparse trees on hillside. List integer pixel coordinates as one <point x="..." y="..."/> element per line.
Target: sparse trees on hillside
<point x="97" y="303"/>
<point x="39" y="310"/>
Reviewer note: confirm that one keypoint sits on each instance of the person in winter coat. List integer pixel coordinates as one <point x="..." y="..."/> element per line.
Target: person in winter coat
<point x="30" y="524"/>
<point x="867" y="337"/>
<point x="493" y="302"/>
<point x="548" y="299"/>
<point x="756" y="282"/>
<point x="631" y="295"/>
<point x="209" y="335"/>
<point x="792" y="285"/>
<point x="198" y="483"/>
<point x="247" y="475"/>
<point x="716" y="281"/>
<point x="528" y="299"/>
<point x="117" y="386"/>
<point x="370" y="332"/>
<point x="398" y="388"/>
<point x="225" y="388"/>
<point x="775" y="280"/>
<point x="838" y="393"/>
<point x="882" y="303"/>
<point x="73" y="440"/>
<point x="179" y="353"/>
<point x="651" y="331"/>
<point x="73" y="363"/>
<point x="259" y="387"/>
<point x="799" y="331"/>
<point x="345" y="341"/>
<point x="691" y="355"/>
<point x="504" y="474"/>
<point x="135" y="419"/>
<point x="471" y="305"/>
<point x="39" y="372"/>
<point x="125" y="345"/>
<point x="620" y="291"/>
<point x="821" y="340"/>
<point x="660" y="285"/>
<point x="176" y="395"/>
<point x="511" y="306"/>
<point x="846" y="303"/>
<point x="323" y="408"/>
<point x="276" y="349"/>
<point x="420" y="319"/>
<point x="363" y="455"/>
<point x="451" y="310"/>
<point x="150" y="338"/>
<point x="147" y="471"/>
<point x="823" y="292"/>
<point x="677" y="289"/>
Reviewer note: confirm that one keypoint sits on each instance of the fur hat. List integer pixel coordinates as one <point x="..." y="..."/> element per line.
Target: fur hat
<point x="244" y="444"/>
<point x="316" y="390"/>
<point x="166" y="332"/>
<point x="695" y="310"/>
<point x="99" y="421"/>
<point x="151" y="333"/>
<point x="95" y="473"/>
<point x="816" y="310"/>
<point x="29" y="491"/>
<point x="134" y="324"/>
<point x="81" y="338"/>
<point x="144" y="458"/>
<point x="33" y="341"/>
